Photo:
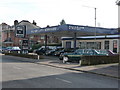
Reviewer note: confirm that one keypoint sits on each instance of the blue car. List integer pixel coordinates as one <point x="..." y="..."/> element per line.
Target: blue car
<point x="12" y="49"/>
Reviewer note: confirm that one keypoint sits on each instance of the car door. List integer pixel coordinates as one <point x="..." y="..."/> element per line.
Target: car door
<point x="76" y="55"/>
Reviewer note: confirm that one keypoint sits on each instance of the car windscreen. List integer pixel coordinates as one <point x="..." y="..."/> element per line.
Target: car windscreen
<point x="15" y="48"/>
<point x="102" y="51"/>
<point x="9" y="48"/>
<point x="79" y="51"/>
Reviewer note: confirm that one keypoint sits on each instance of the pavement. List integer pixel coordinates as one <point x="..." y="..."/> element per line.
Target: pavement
<point x="110" y="70"/>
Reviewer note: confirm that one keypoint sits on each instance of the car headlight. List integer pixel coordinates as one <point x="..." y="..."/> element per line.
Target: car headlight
<point x="61" y="55"/>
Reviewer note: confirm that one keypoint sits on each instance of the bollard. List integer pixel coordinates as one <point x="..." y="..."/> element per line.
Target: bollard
<point x="63" y="61"/>
<point x="38" y="57"/>
<point x="8" y="51"/>
<point x="18" y="51"/>
<point x="80" y="62"/>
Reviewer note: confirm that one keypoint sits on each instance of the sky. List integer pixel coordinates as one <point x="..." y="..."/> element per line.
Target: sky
<point x="51" y="12"/>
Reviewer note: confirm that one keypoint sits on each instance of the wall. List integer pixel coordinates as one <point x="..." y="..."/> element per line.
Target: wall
<point x="102" y="43"/>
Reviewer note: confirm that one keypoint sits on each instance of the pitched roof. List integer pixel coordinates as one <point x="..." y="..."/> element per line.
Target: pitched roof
<point x="28" y="24"/>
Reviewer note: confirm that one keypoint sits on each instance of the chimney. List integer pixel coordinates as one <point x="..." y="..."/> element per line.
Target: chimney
<point x="34" y="22"/>
<point x="16" y="22"/>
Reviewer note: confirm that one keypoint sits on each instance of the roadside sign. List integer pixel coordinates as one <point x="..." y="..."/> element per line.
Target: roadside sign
<point x="25" y="44"/>
<point x="20" y="31"/>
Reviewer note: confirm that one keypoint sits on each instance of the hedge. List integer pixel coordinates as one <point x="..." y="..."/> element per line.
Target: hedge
<point x="95" y="60"/>
<point x="25" y="55"/>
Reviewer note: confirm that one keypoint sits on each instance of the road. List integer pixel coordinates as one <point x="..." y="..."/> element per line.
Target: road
<point x="22" y="74"/>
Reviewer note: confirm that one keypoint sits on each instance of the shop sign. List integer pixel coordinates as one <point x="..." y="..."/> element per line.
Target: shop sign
<point x="75" y="28"/>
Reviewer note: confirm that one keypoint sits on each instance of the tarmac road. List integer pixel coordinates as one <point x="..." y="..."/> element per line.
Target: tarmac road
<point x="22" y="74"/>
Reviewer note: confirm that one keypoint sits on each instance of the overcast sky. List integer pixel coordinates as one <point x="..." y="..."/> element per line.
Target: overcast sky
<point x="51" y="12"/>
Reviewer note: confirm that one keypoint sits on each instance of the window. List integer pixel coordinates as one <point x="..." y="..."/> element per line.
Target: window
<point x="115" y="46"/>
<point x="107" y="45"/>
<point x="68" y="44"/>
<point x="82" y="45"/>
<point x="90" y="45"/>
<point x="42" y="37"/>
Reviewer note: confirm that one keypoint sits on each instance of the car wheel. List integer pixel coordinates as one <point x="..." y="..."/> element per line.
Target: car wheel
<point x="65" y="59"/>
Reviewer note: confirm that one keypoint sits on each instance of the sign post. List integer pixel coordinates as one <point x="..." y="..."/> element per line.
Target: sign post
<point x="20" y="32"/>
<point x="25" y="46"/>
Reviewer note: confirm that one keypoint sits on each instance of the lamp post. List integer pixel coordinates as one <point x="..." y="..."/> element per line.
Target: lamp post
<point x="95" y="23"/>
<point x="118" y="3"/>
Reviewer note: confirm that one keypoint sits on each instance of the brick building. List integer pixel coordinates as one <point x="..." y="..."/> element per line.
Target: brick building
<point x="9" y="38"/>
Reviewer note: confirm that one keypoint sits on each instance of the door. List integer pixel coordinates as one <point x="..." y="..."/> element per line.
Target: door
<point x="68" y="44"/>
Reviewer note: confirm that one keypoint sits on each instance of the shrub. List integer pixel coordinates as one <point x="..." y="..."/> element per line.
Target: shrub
<point x="24" y="55"/>
<point x="95" y="60"/>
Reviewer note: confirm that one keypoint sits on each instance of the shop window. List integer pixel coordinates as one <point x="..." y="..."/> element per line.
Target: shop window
<point x="42" y="37"/>
<point x="90" y="45"/>
<point x="82" y="45"/>
<point x="68" y="44"/>
<point x="106" y="45"/>
<point x="98" y="45"/>
<point x="115" y="46"/>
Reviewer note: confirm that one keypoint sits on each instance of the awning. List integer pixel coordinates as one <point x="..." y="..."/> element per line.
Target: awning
<point x="69" y="30"/>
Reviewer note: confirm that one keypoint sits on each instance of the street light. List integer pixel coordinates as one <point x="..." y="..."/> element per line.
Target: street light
<point x="95" y="23"/>
<point x="118" y="2"/>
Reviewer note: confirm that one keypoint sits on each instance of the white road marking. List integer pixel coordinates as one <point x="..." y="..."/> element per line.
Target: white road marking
<point x="64" y="80"/>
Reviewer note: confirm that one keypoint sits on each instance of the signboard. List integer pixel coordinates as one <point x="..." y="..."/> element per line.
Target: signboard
<point x="20" y="31"/>
<point x="69" y="27"/>
<point x="51" y="29"/>
<point x="25" y="44"/>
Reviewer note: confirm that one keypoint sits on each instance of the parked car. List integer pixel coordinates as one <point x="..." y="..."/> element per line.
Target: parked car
<point x="2" y="50"/>
<point x="109" y="52"/>
<point x="52" y="51"/>
<point x="57" y="53"/>
<point x="12" y="49"/>
<point x="41" y="51"/>
<point x="76" y="56"/>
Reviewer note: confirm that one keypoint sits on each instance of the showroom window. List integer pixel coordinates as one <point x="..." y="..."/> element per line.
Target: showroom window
<point x="90" y="45"/>
<point x="107" y="45"/>
<point x="115" y="46"/>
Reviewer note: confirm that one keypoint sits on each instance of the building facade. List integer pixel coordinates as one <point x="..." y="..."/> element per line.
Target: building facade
<point x="8" y="37"/>
<point x="109" y="42"/>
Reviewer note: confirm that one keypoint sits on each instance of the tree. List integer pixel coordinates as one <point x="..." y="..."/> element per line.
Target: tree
<point x="62" y="22"/>
<point x="47" y="26"/>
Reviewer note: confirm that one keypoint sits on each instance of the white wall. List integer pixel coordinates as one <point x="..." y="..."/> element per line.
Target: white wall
<point x="119" y="25"/>
<point x="102" y="43"/>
